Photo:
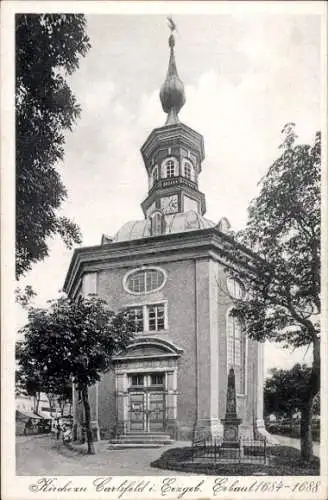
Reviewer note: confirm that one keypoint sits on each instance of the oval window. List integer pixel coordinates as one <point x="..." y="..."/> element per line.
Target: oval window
<point x="235" y="288"/>
<point x="141" y="281"/>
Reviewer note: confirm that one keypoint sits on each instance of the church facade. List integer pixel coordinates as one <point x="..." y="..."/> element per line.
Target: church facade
<point x="169" y="272"/>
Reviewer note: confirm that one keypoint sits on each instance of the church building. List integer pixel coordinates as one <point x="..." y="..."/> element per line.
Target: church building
<point x="169" y="272"/>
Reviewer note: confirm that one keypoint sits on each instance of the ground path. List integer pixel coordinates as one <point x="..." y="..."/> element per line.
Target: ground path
<point x="295" y="443"/>
<point x="43" y="455"/>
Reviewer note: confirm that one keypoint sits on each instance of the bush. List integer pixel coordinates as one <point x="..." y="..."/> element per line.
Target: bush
<point x="293" y="430"/>
<point x="284" y="461"/>
<point x="44" y="426"/>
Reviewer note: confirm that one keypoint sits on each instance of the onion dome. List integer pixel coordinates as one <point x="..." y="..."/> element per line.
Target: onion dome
<point x="175" y="223"/>
<point x="172" y="93"/>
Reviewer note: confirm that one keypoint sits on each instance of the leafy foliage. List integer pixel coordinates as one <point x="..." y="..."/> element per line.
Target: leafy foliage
<point x="282" y="274"/>
<point x="317" y="404"/>
<point x="72" y="340"/>
<point x="25" y="296"/>
<point x="283" y="229"/>
<point x="48" y="46"/>
<point x="32" y="379"/>
<point x="285" y="390"/>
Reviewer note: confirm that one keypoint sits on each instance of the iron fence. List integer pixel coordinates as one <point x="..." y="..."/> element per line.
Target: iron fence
<point x="244" y="450"/>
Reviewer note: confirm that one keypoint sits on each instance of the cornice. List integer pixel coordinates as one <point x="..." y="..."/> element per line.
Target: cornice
<point x="199" y="244"/>
<point x="179" y="133"/>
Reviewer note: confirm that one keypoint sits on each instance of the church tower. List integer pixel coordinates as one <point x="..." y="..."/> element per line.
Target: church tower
<point x="168" y="272"/>
<point x="173" y="156"/>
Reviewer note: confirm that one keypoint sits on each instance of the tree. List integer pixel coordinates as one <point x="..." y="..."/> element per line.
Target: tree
<point x="25" y="296"/>
<point x="74" y="341"/>
<point x="282" y="274"/>
<point x="48" y="47"/>
<point x="316" y="404"/>
<point x="284" y="391"/>
<point x="32" y="379"/>
<point x="64" y="396"/>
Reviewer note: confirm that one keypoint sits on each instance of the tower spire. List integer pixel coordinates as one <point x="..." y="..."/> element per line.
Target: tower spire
<point x="172" y="91"/>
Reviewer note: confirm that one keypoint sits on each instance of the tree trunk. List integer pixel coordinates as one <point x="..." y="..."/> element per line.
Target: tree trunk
<point x="86" y="404"/>
<point x="50" y="400"/>
<point x="37" y="402"/>
<point x="306" y="430"/>
<point x="306" y="417"/>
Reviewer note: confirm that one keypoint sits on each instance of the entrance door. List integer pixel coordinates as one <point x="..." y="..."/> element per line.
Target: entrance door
<point x="156" y="411"/>
<point x="137" y="412"/>
<point x="146" y="403"/>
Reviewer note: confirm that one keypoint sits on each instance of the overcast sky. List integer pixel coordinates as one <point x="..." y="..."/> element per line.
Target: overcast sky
<point x="245" y="77"/>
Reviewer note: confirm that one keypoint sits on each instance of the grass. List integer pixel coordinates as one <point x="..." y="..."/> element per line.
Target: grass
<point x="284" y="461"/>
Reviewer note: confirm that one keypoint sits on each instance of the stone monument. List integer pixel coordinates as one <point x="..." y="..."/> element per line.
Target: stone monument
<point x="231" y="421"/>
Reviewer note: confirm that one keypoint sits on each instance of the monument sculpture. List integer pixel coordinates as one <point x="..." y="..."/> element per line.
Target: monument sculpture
<point x="231" y="421"/>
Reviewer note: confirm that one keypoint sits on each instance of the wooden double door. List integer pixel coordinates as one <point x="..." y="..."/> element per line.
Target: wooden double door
<point x="147" y="404"/>
<point x="147" y="411"/>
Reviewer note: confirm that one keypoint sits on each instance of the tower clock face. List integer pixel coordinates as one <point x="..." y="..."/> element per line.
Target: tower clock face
<point x="169" y="204"/>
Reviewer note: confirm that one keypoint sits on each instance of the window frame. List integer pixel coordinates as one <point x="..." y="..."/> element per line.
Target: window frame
<point x="138" y="375"/>
<point x="242" y="349"/>
<point x="173" y="164"/>
<point x="147" y="377"/>
<point x="231" y="285"/>
<point x="154" y="176"/>
<point x="153" y="375"/>
<point x="158" y="317"/>
<point x="187" y="163"/>
<point x="137" y="321"/>
<point x="157" y="223"/>
<point x="145" y="311"/>
<point x="144" y="269"/>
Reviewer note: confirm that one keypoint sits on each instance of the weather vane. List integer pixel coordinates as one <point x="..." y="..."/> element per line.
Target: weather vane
<point x="171" y="23"/>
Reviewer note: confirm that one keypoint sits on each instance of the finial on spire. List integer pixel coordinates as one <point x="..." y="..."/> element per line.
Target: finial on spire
<point x="171" y="23"/>
<point x="172" y="91"/>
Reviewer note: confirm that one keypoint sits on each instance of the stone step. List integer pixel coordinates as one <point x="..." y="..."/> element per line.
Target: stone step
<point x="126" y="446"/>
<point x="145" y="435"/>
<point x="142" y="439"/>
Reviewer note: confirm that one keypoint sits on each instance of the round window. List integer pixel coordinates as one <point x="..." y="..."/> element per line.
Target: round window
<point x="235" y="288"/>
<point x="146" y="280"/>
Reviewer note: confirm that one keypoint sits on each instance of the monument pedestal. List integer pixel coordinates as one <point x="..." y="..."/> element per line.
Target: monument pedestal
<point x="231" y="429"/>
<point x="231" y="444"/>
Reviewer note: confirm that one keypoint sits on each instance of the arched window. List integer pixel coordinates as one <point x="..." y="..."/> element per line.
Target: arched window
<point x="170" y="168"/>
<point x="236" y="349"/>
<point x="157" y="224"/>
<point x="235" y="288"/>
<point x="154" y="175"/>
<point x="188" y="170"/>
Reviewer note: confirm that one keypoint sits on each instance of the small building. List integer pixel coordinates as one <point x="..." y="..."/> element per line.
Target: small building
<point x="25" y="416"/>
<point x="24" y="403"/>
<point x="169" y="272"/>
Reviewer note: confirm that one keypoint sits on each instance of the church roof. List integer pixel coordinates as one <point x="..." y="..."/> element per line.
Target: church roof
<point x="175" y="223"/>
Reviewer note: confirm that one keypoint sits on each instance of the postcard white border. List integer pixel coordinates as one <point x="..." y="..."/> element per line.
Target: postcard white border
<point x="19" y="487"/>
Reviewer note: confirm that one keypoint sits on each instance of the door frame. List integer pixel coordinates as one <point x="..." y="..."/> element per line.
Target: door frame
<point x="157" y="356"/>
